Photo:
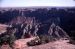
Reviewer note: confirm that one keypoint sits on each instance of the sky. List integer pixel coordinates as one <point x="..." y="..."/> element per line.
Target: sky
<point x="29" y="3"/>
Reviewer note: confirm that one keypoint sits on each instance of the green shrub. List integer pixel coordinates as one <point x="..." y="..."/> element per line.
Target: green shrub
<point x="34" y="42"/>
<point x="45" y="38"/>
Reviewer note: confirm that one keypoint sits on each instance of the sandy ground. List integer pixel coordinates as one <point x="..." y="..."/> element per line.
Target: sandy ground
<point x="22" y="43"/>
<point x="60" y="44"/>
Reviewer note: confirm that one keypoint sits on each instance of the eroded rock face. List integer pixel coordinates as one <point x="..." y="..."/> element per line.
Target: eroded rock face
<point x="57" y="32"/>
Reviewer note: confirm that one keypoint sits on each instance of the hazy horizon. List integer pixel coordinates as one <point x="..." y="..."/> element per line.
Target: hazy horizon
<point x="33" y="3"/>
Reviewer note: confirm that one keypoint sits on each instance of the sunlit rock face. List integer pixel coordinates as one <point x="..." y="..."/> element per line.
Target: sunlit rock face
<point x="57" y="32"/>
<point x="3" y="28"/>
